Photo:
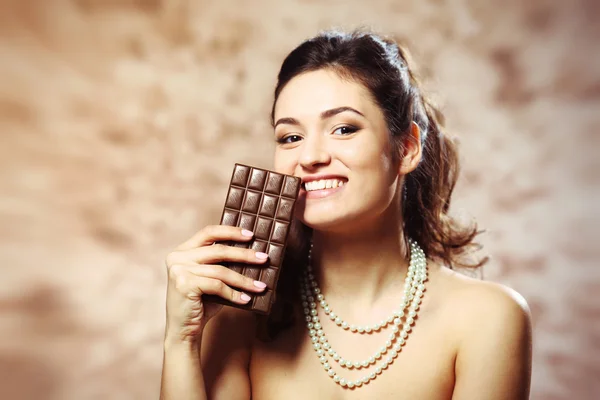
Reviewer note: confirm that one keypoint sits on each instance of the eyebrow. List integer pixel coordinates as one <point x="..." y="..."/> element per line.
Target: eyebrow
<point x="324" y="115"/>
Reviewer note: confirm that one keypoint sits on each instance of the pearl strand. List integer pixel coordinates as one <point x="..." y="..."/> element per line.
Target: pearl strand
<point x="413" y="293"/>
<point x="408" y="284"/>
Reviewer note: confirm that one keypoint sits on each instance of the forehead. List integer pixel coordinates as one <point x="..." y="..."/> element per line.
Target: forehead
<point x="311" y="93"/>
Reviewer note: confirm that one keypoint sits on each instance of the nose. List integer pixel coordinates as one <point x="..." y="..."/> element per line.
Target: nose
<point x="314" y="153"/>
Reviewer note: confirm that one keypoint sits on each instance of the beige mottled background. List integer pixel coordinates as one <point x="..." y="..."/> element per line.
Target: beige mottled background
<point x="120" y="121"/>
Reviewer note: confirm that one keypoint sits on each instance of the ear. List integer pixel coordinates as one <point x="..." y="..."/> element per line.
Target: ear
<point x="411" y="145"/>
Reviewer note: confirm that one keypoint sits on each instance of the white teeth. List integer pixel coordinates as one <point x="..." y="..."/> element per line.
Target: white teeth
<point x="323" y="184"/>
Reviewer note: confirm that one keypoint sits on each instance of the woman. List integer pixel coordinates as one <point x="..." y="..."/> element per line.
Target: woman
<point x="350" y="119"/>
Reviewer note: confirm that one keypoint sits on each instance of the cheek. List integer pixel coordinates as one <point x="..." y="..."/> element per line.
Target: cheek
<point x="284" y="162"/>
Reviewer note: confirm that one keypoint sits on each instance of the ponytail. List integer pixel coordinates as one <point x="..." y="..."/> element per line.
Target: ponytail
<point x="428" y="189"/>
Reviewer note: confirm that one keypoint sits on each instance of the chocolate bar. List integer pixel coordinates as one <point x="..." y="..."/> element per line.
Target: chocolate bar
<point x="263" y="202"/>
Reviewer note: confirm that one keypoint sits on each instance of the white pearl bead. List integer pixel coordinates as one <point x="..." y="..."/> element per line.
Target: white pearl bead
<point x="360" y="329"/>
<point x="378" y="355"/>
<point x="350" y="384"/>
<point x="342" y="361"/>
<point x="358" y="383"/>
<point x="312" y="332"/>
<point x="356" y="364"/>
<point x="397" y="321"/>
<point x="331" y="372"/>
<point x="338" y="320"/>
<point x="368" y="329"/>
<point x="378" y="370"/>
<point x="393" y="353"/>
<point x="318" y="326"/>
<point x="353" y="328"/>
<point x="326" y="366"/>
<point x="316" y="346"/>
<point x="332" y="315"/>
<point x="343" y="382"/>
<point x="336" y="356"/>
<point x="395" y="329"/>
<point x="326" y="310"/>
<point x="388" y="343"/>
<point x="323" y="359"/>
<point x="320" y="352"/>
<point x="345" y="325"/>
<point x="315" y="319"/>
<point x="336" y="378"/>
<point x="326" y="346"/>
<point x="371" y="360"/>
<point x="365" y="364"/>
<point x="372" y="376"/>
<point x="311" y="325"/>
<point x="397" y="347"/>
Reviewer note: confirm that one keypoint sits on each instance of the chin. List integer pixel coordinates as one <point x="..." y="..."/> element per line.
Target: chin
<point x="334" y="222"/>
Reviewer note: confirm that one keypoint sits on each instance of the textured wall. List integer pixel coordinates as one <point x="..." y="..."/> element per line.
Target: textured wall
<point x="117" y="117"/>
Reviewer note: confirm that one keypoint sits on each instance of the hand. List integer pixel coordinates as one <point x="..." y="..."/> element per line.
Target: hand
<point x="192" y="272"/>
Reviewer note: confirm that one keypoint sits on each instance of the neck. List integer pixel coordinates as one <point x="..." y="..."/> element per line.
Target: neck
<point x="363" y="266"/>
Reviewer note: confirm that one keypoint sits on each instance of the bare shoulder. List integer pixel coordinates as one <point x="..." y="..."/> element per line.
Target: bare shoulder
<point x="491" y="324"/>
<point x="485" y="299"/>
<point x="479" y="305"/>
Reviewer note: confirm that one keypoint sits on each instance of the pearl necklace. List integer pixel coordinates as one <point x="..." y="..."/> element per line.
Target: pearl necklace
<point x="413" y="293"/>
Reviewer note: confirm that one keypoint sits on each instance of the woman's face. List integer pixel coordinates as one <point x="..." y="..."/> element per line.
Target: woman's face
<point x="331" y="133"/>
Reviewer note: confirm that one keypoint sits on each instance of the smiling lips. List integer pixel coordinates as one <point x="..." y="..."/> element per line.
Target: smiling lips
<point x="322" y="188"/>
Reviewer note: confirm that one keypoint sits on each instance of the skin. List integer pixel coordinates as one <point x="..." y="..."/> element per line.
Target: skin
<point x="472" y="339"/>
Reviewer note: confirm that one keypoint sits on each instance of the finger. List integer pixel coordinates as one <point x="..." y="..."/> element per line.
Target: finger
<point x="215" y="233"/>
<point x="218" y="288"/>
<point x="229" y="277"/>
<point x="217" y="254"/>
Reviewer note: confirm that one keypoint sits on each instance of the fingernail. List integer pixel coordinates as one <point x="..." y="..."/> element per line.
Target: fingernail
<point x="245" y="297"/>
<point x="261" y="256"/>
<point x="246" y="232"/>
<point x="260" y="284"/>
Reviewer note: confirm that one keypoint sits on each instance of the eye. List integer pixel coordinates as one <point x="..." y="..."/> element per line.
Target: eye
<point x="289" y="139"/>
<point x="345" y="130"/>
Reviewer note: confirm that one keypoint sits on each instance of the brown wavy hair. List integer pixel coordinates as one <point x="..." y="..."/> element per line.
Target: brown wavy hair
<point x="383" y="67"/>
